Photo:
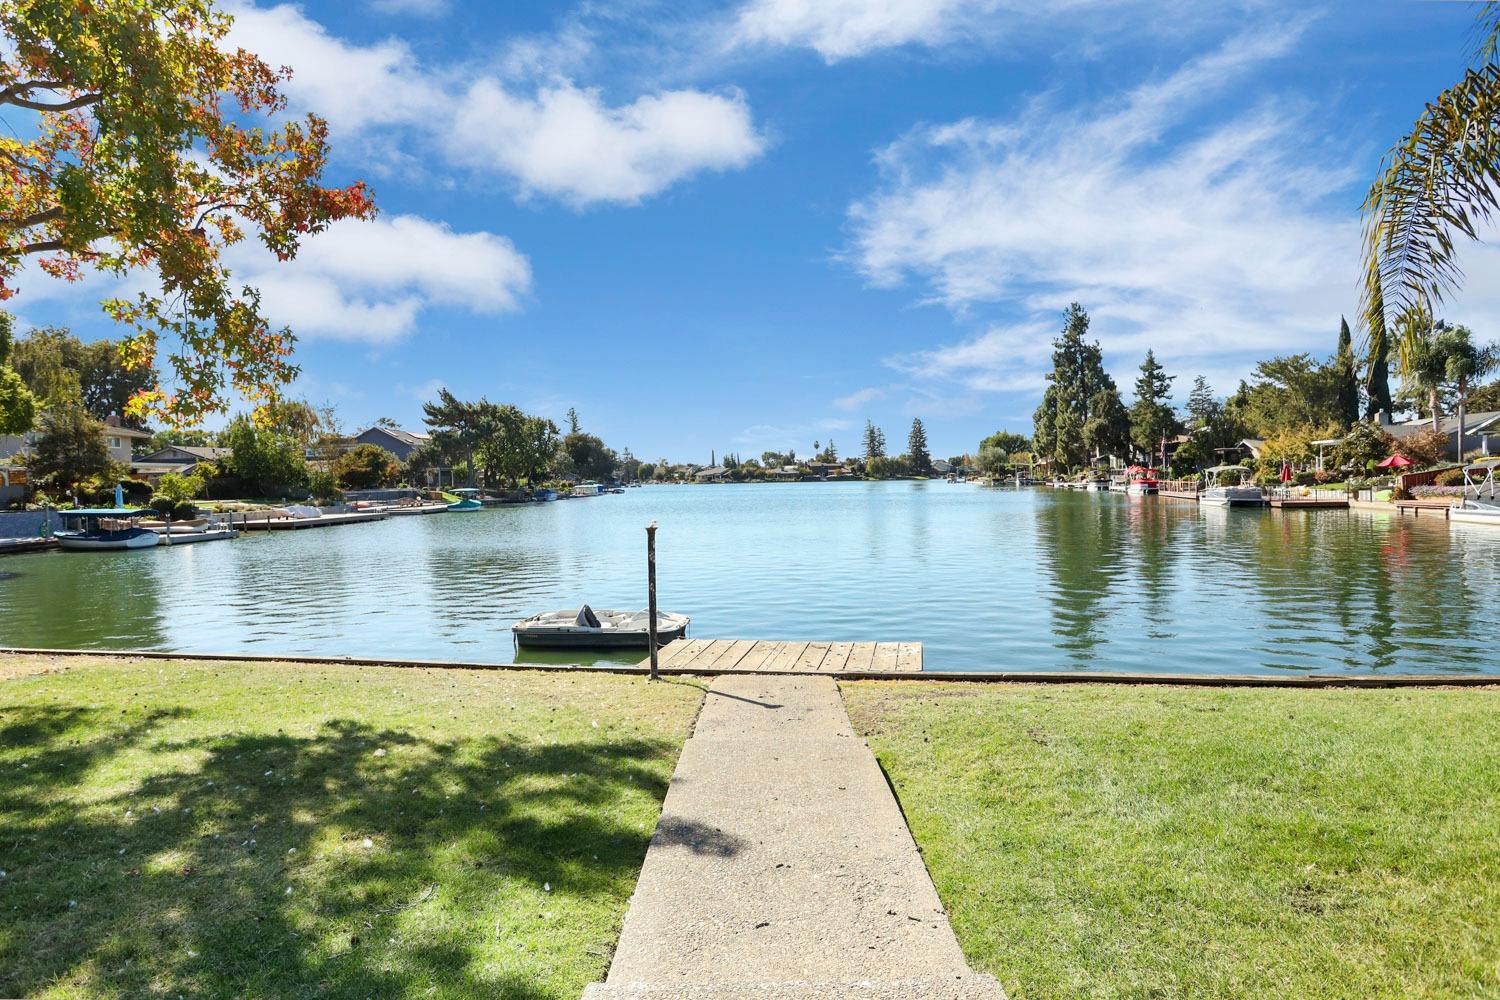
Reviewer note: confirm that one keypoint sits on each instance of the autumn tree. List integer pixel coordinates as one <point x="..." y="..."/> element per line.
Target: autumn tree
<point x="141" y="141"/>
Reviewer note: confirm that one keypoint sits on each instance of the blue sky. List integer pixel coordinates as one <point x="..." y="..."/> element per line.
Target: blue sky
<point x="752" y="225"/>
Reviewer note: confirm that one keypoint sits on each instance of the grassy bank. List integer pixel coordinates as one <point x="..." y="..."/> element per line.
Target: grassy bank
<point x="1171" y="842"/>
<point x="216" y="830"/>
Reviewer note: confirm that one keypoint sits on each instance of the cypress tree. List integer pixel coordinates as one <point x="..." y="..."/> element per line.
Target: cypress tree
<point x="1348" y="376"/>
<point x="916" y="449"/>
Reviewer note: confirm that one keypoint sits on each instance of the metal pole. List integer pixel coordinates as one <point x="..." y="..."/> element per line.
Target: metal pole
<point x="651" y="592"/>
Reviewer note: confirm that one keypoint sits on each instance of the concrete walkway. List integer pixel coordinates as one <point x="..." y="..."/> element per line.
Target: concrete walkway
<point x="782" y="867"/>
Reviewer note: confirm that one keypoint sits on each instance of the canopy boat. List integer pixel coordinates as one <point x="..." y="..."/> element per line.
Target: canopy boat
<point x="1098" y="484"/>
<point x="1481" y="495"/>
<point x="466" y="499"/>
<point x="587" y="490"/>
<point x="1141" y="482"/>
<point x="602" y="629"/>
<point x="105" y="529"/>
<point x="1222" y="495"/>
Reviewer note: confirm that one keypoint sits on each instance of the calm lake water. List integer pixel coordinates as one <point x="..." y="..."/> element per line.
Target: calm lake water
<point x="985" y="578"/>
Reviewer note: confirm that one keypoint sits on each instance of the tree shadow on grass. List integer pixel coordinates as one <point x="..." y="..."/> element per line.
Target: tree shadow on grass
<point x="280" y="865"/>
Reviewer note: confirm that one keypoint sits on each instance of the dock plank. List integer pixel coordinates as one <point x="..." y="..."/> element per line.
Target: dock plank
<point x="837" y="658"/>
<point x="861" y="657"/>
<point x="731" y="657"/>
<point x="797" y="656"/>
<point x="678" y="652"/>
<point x="785" y="657"/>
<point x="756" y="659"/>
<point x="909" y="656"/>
<point x="812" y="657"/>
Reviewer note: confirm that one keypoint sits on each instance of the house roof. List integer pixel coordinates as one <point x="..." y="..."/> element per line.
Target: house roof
<point x="411" y="438"/>
<point x="1448" y="425"/>
<point x="712" y="470"/>
<point x="202" y="454"/>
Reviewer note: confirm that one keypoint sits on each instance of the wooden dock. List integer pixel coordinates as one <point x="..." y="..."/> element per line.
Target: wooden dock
<point x="772" y="657"/>
<point x="265" y="522"/>
<point x="1417" y="507"/>
<point x="1309" y="503"/>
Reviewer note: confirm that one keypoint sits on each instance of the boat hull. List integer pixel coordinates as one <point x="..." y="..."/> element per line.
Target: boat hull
<point x="113" y="541"/>
<point x="463" y="506"/>
<point x="1471" y="513"/>
<point x="626" y="630"/>
<point x="596" y="640"/>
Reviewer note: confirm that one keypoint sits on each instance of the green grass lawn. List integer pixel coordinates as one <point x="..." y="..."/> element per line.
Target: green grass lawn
<point x="1104" y="842"/>
<point x="208" y="830"/>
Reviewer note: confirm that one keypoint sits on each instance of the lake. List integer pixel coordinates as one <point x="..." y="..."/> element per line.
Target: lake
<point x="985" y="578"/>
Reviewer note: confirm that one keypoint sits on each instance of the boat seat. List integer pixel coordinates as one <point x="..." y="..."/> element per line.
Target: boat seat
<point x="587" y="618"/>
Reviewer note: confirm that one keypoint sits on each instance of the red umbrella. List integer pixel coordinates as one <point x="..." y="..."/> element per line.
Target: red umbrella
<point x="1286" y="472"/>
<point x="1396" y="461"/>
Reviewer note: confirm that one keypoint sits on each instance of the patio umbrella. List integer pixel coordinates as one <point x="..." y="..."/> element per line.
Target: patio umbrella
<point x="1286" y="472"/>
<point x="1396" y="461"/>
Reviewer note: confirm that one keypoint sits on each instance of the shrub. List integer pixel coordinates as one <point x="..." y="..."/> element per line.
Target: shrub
<point x="324" y="486"/>
<point x="1426" y="447"/>
<point x="366" y="466"/>
<point x="1453" y="477"/>
<point x="177" y="510"/>
<point x="1304" y="478"/>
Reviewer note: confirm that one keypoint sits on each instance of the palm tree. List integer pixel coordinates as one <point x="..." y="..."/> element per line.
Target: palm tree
<point x="1465" y="362"/>
<point x="1439" y="183"/>
<point x="1424" y="367"/>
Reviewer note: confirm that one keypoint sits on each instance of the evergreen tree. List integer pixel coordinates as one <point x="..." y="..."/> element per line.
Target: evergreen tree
<point x="874" y="441"/>
<point x="1202" y="405"/>
<point x="1348" y="376"/>
<point x="1107" y="430"/>
<point x="1076" y="379"/>
<point x="916" y="449"/>
<point x="70" y="447"/>
<point x="1378" y="375"/>
<point x="1151" y="417"/>
<point x="572" y="420"/>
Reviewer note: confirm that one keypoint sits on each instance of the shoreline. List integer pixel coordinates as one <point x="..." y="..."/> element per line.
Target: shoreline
<point x="1016" y="677"/>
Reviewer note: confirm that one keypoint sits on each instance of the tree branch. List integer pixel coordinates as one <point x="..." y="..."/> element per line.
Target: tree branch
<point x="34" y="219"/>
<point x="82" y="101"/>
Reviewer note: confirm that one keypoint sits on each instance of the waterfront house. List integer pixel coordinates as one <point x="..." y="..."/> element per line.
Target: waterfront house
<point x="712" y="474"/>
<point x="1480" y="432"/>
<point x="786" y="473"/>
<point x="402" y="443"/>
<point x="942" y="466"/>
<point x="179" y="458"/>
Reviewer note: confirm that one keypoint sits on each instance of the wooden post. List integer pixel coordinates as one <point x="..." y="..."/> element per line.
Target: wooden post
<point x="651" y="593"/>
<point x="168" y="535"/>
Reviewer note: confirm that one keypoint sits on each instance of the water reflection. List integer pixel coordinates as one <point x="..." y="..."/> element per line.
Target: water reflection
<point x="984" y="578"/>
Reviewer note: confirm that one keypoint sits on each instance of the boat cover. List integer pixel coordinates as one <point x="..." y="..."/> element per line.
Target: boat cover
<point x="586" y="618"/>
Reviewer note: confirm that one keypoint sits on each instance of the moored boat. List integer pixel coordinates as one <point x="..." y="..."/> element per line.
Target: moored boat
<point x="544" y="496"/>
<point x="587" y="490"/>
<point x="586" y="628"/>
<point x="1218" y="494"/>
<point x="468" y="499"/>
<point x="105" y="530"/>
<point x="1481" y="495"/>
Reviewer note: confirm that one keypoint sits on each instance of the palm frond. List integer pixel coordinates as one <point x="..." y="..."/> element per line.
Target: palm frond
<point x="1487" y="31"/>
<point x="1441" y="182"/>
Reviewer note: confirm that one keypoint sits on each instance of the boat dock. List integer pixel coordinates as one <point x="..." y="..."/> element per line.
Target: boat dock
<point x="1416" y="508"/>
<point x="265" y="522"/>
<point x="774" y="657"/>
<point x="15" y="545"/>
<point x="1309" y="503"/>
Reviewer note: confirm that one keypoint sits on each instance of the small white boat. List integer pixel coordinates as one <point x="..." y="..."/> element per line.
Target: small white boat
<point x="1223" y="495"/>
<point x="1481" y="495"/>
<point x="1143" y="487"/>
<point x="602" y="629"/>
<point x="588" y="490"/>
<point x="105" y="529"/>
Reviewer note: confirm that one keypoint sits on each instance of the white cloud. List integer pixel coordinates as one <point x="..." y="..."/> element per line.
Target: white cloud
<point x="567" y="142"/>
<point x="859" y="398"/>
<point x="846" y="29"/>
<point x="839" y="29"/>
<point x="355" y="87"/>
<point x="1201" y="242"/>
<point x="370" y="281"/>
<point x="416" y="8"/>
<point x="555" y="138"/>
